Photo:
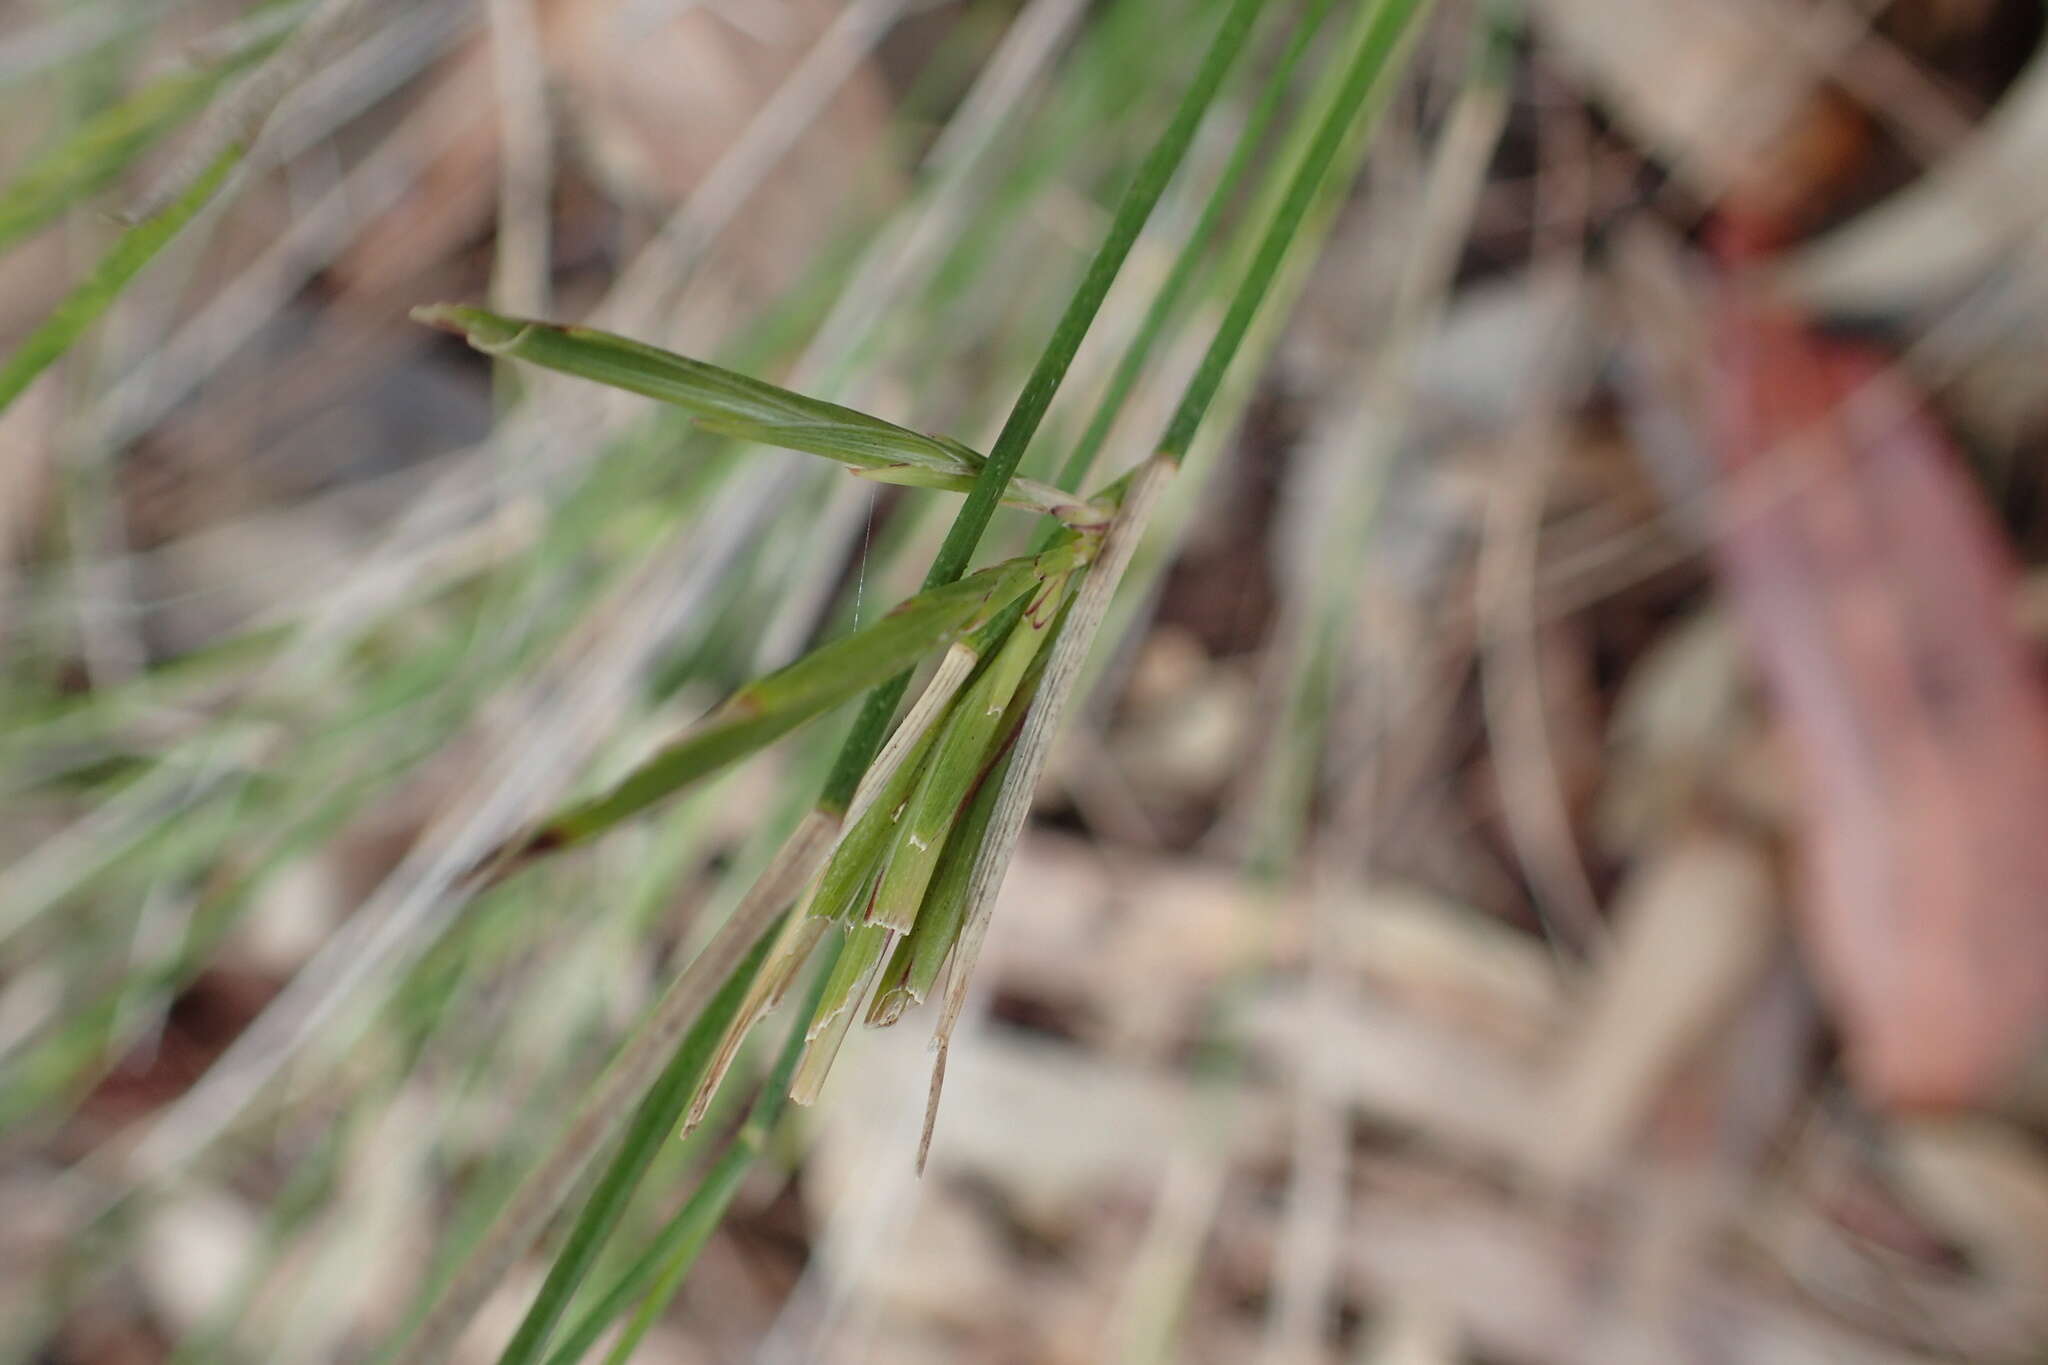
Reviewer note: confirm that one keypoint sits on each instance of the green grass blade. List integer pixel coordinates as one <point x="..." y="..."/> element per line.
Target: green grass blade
<point x="723" y="401"/>
<point x="727" y="403"/>
<point x="921" y="955"/>
<point x="652" y="1122"/>
<point x="659" y="1270"/>
<point x="770" y="707"/>
<point x="975" y="726"/>
<point x="1173" y="292"/>
<point x="1028" y="494"/>
<point x="136" y="249"/>
<point x="914" y="969"/>
<point x="848" y="877"/>
<point x="882" y="794"/>
<point x="843" y="888"/>
<point x="861" y="956"/>
<point x="99" y="149"/>
<point x="1338" y="117"/>
<point x="1378" y="33"/>
<point x="1029" y="410"/>
<point x="717" y="743"/>
<point x="929" y="621"/>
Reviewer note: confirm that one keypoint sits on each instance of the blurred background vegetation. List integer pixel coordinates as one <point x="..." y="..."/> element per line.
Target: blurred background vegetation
<point x="1546" y="863"/>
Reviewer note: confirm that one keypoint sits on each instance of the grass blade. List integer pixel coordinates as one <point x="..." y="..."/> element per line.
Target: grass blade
<point x="1379" y="31"/>
<point x="723" y="401"/>
<point x="802" y="930"/>
<point x="727" y="403"/>
<point x="1375" y="36"/>
<point x="696" y="1008"/>
<point x="770" y="707"/>
<point x="922" y="953"/>
<point x="914" y="968"/>
<point x="1036" y="397"/>
<point x="101" y="148"/>
<point x="971" y="732"/>
<point x="1034" y="742"/>
<point x="659" y="1270"/>
<point x="929" y="621"/>
<point x="652" y="1121"/>
<point x="1166" y="304"/>
<point x="865" y="947"/>
<point x="136" y="248"/>
<point x="843" y="889"/>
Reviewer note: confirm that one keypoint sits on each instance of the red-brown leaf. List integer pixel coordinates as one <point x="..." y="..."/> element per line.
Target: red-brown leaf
<point x="1877" y="595"/>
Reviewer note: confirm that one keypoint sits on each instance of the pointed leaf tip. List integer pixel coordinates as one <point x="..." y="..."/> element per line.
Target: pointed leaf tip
<point x="438" y="315"/>
<point x="484" y="330"/>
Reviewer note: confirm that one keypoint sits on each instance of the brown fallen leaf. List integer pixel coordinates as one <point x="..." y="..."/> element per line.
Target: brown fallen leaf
<point x="1878" y="597"/>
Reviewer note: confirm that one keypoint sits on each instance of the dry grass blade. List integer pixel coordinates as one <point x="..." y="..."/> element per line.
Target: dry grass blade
<point x="519" y="70"/>
<point x="236" y="120"/>
<point x="1695" y="933"/>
